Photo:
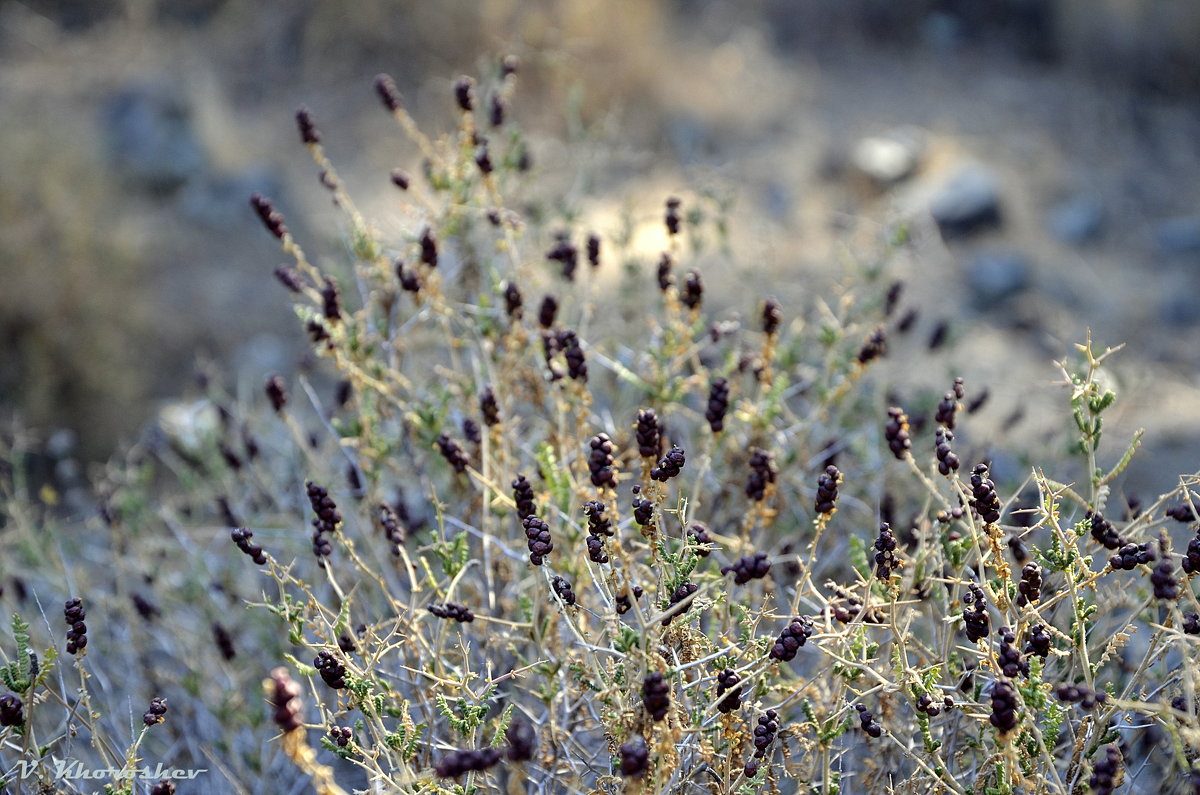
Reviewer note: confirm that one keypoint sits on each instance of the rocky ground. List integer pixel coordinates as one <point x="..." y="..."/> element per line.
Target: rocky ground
<point x="1039" y="201"/>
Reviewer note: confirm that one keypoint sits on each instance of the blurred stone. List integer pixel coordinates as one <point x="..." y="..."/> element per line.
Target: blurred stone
<point x="887" y="159"/>
<point x="966" y="203"/>
<point x="996" y="276"/>
<point x="1076" y="221"/>
<point x="1178" y="236"/>
<point x="150" y="137"/>
<point x="219" y="200"/>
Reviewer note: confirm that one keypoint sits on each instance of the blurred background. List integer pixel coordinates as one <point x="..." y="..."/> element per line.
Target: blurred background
<point x="1043" y="157"/>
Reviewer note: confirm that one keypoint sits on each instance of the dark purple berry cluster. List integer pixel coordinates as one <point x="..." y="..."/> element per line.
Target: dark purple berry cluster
<point x="393" y="531"/>
<point x="692" y="293"/>
<point x="700" y="538"/>
<point x="290" y="278"/>
<point x="750" y="567"/>
<point x="241" y="536"/>
<point x="827" y="491"/>
<point x="1191" y="559"/>
<point x="728" y="691"/>
<point x="514" y="301"/>
<point x="1191" y="624"/>
<point x="409" y="278"/>
<point x="1106" y="770"/>
<point x="793" y="636"/>
<point x="949" y="405"/>
<point x="896" y="433"/>
<point x="452" y="611"/>
<point x="1103" y="531"/>
<point x="276" y="393"/>
<point x="332" y="671"/>
<point x="885" y="553"/>
<point x="327" y="516"/>
<point x="466" y="760"/>
<point x="385" y="87"/>
<point x="873" y="348"/>
<point x="340" y="735"/>
<point x="331" y="301"/>
<point x="452" y="451"/>
<point x="565" y="254"/>
<point x="764" y="732"/>
<point x="983" y="495"/>
<point x="649" y="434"/>
<point x="568" y="343"/>
<point x="593" y="249"/>
<point x="1008" y="657"/>
<point x="1183" y="512"/>
<point x="1038" y="641"/>
<point x="672" y="218"/>
<point x="224" y="641"/>
<point x="547" y="312"/>
<point x="635" y="757"/>
<point x="522" y="740"/>
<point x="285" y="701"/>
<point x="563" y="589"/>
<point x="1030" y="586"/>
<point x="76" y="628"/>
<point x="429" y="248"/>
<point x="537" y="535"/>
<point x="12" y="711"/>
<point x="1130" y="555"/>
<point x="164" y="786"/>
<point x="772" y="316"/>
<point x="680" y="594"/>
<point x="1166" y="585"/>
<point x="975" y="615"/>
<point x="600" y="461"/>
<point x="669" y="466"/>
<point x="643" y="509"/>
<point x="947" y="460"/>
<point x="762" y="473"/>
<point x="270" y="217"/>
<point x="665" y="279"/>
<point x="1004" y="706"/>
<point x="624" y="604"/>
<point x="867" y="721"/>
<point x="523" y="497"/>
<point x="156" y="712"/>
<point x="926" y="704"/>
<point x="1085" y="697"/>
<point x="718" y="404"/>
<point x="598" y="528"/>
<point x="656" y="695"/>
<point x="471" y="433"/>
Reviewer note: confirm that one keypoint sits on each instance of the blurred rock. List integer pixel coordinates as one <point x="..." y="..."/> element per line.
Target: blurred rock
<point x="219" y="200"/>
<point x="966" y="203"/>
<point x="996" y="276"/>
<point x="887" y="159"/>
<point x="1178" y="236"/>
<point x="1077" y="220"/>
<point x="150" y="138"/>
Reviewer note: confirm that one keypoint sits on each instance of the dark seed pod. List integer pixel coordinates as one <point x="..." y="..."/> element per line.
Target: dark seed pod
<point x="670" y="465"/>
<point x="568" y="342"/>
<point x="471" y="432"/>
<point x="269" y="216"/>
<point x="12" y="711"/>
<point x="467" y="760"/>
<point x="308" y="128"/>
<point x="400" y="179"/>
<point x="496" y="110"/>
<point x="1166" y="586"/>
<point x="718" y="405"/>
<point x="680" y="594"/>
<point x="522" y="740"/>
<point x="983" y="493"/>
<point x="452" y="612"/>
<point x="548" y="311"/>
<point x="727" y="685"/>
<point x="649" y="434"/>
<point x="241" y="536"/>
<point x="1106" y="772"/>
<point x="1030" y="586"/>
<point x="1011" y="664"/>
<point x="772" y="316"/>
<point x="949" y="405"/>
<point x="700" y="538"/>
<point x="885" y="553"/>
<point x="513" y="301"/>
<point x="164" y="786"/>
<point x="488" y="407"/>
<point x="393" y="531"/>
<point x="751" y="567"/>
<point x="624" y="604"/>
<point x="601" y="461"/>
<point x="565" y="254"/>
<point x="538" y="540"/>
<point x="523" y="497"/>
<point x="285" y="701"/>
<point x="289" y="278"/>
<point x="453" y="453"/>
<point x="593" y="250"/>
<point x="764" y="732"/>
<point x="1004" y="706"/>
<point x="74" y="614"/>
<point x="1103" y="531"/>
<point x="340" y="735"/>
<point x="563" y="589"/>
<point x="672" y="218"/>
<point x="873" y="348"/>
<point x="156" y="712"/>
<point x="896" y="433"/>
<point x="327" y="515"/>
<point x="793" y="636"/>
<point x="693" y="291"/>
<point x="1087" y="698"/>
<point x="332" y="671"/>
<point x="1129" y="556"/>
<point x="1191" y="559"/>
<point x="429" y="248"/>
<point x="665" y="279"/>
<point x="867" y="721"/>
<point x="635" y="758"/>
<point x="656" y="695"/>
<point x="947" y="460"/>
<point x="925" y="704"/>
<point x="385" y="87"/>
<point x="224" y="642"/>
<point x="762" y="473"/>
<point x="1038" y="641"/>
<point x="464" y="93"/>
<point x="975" y="614"/>
<point x="643" y="509"/>
<point x="827" y="491"/>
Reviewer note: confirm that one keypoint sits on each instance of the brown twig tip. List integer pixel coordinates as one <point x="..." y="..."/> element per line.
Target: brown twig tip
<point x="385" y="87"/>
<point x="308" y="128"/>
